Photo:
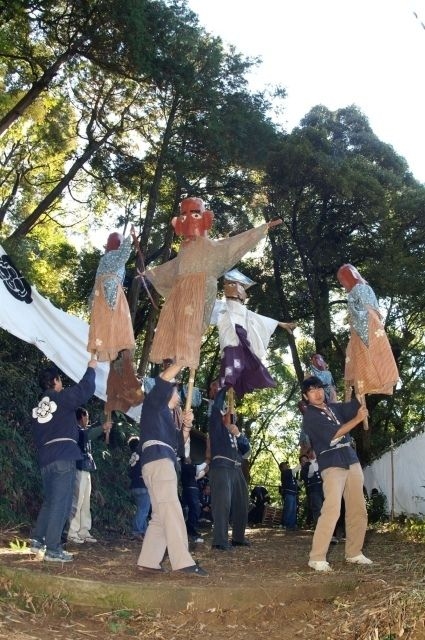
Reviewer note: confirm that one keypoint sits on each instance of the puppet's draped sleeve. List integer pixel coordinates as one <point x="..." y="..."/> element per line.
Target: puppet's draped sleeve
<point x="162" y="277"/>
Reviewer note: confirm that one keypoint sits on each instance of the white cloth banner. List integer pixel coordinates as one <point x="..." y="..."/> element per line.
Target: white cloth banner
<point x="404" y="469"/>
<point x="61" y="336"/>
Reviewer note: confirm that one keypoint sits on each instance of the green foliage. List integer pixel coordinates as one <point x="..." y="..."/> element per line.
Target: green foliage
<point x="19" y="480"/>
<point x="111" y="502"/>
<point x="412" y="527"/>
<point x="18" y="546"/>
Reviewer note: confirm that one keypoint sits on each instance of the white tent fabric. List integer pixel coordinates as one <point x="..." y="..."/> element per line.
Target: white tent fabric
<point x="404" y="470"/>
<point x="61" y="336"/>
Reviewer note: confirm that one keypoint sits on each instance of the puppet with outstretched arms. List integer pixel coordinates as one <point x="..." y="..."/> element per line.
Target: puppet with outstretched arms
<point x="244" y="337"/>
<point x="188" y="283"/>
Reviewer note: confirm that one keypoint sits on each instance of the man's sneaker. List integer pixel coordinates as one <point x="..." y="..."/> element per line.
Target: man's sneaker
<point x="58" y="556"/>
<point x="196" y="539"/>
<point x="89" y="538"/>
<point x="194" y="570"/>
<point x="360" y="559"/>
<point x="320" y="565"/>
<point x="76" y="539"/>
<point x="37" y="547"/>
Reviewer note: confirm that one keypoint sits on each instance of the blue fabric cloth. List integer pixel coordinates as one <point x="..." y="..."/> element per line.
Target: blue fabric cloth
<point x="113" y="263"/>
<point x="359" y="299"/>
<point x="58" y="480"/>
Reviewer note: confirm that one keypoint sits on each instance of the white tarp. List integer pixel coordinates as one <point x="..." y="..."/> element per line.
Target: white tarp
<point x="403" y="469"/>
<point x="61" y="336"/>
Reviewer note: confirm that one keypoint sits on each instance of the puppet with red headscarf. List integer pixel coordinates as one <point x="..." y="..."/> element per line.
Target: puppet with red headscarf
<point x="111" y="329"/>
<point x="189" y="282"/>
<point x="370" y="366"/>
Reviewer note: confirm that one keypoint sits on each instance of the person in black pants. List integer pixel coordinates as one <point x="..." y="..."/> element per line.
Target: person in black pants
<point x="229" y="491"/>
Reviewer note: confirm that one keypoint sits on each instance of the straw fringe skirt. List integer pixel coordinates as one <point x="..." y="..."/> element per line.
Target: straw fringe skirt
<point x="110" y="330"/>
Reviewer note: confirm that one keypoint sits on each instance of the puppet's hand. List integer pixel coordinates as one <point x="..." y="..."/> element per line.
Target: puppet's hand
<point x="274" y="223"/>
<point x="289" y="326"/>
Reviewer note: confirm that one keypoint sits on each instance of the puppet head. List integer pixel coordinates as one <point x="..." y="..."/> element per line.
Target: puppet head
<point x="114" y="241"/>
<point x="319" y="362"/>
<point x="236" y="284"/>
<point x="235" y="290"/>
<point x="348" y="276"/>
<point x="193" y="220"/>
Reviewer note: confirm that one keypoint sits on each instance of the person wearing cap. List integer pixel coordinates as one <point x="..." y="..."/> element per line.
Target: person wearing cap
<point x="328" y="427"/>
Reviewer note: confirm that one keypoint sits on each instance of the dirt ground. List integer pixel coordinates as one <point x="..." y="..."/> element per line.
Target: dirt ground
<point x="383" y="601"/>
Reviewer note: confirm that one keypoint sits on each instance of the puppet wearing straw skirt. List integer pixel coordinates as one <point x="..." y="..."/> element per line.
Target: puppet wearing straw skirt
<point x="370" y="366"/>
<point x="189" y="282"/>
<point x="111" y="329"/>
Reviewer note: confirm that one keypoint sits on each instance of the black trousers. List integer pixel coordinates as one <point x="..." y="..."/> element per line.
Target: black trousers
<point x="229" y="503"/>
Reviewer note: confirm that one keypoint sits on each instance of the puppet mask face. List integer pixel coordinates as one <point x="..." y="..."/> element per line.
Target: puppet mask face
<point x="318" y="362"/>
<point x="348" y="276"/>
<point x="193" y="220"/>
<point x="234" y="290"/>
<point x="114" y="241"/>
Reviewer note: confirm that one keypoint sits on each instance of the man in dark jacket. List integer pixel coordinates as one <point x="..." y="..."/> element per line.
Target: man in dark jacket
<point x="328" y="427"/>
<point x="229" y="491"/>
<point x="158" y="446"/>
<point x="55" y="432"/>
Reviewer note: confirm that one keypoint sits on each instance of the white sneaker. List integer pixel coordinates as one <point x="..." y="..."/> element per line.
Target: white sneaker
<point x="360" y="559"/>
<point x="75" y="540"/>
<point x="320" y="565"/>
<point x="89" y="538"/>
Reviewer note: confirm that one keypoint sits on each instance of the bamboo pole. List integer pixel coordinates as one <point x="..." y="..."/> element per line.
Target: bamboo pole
<point x="362" y="400"/>
<point x="190" y="389"/>
<point x="108" y="421"/>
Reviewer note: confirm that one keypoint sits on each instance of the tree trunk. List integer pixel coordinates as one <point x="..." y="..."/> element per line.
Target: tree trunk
<point x="284" y="305"/>
<point x="134" y="293"/>
<point x="38" y="86"/>
<point x="30" y="222"/>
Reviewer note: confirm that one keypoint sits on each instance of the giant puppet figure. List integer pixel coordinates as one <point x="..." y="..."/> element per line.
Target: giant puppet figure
<point x="244" y="337"/>
<point x="111" y="329"/>
<point x="111" y="336"/>
<point x="320" y="369"/>
<point x="188" y="283"/>
<point x="370" y="366"/>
